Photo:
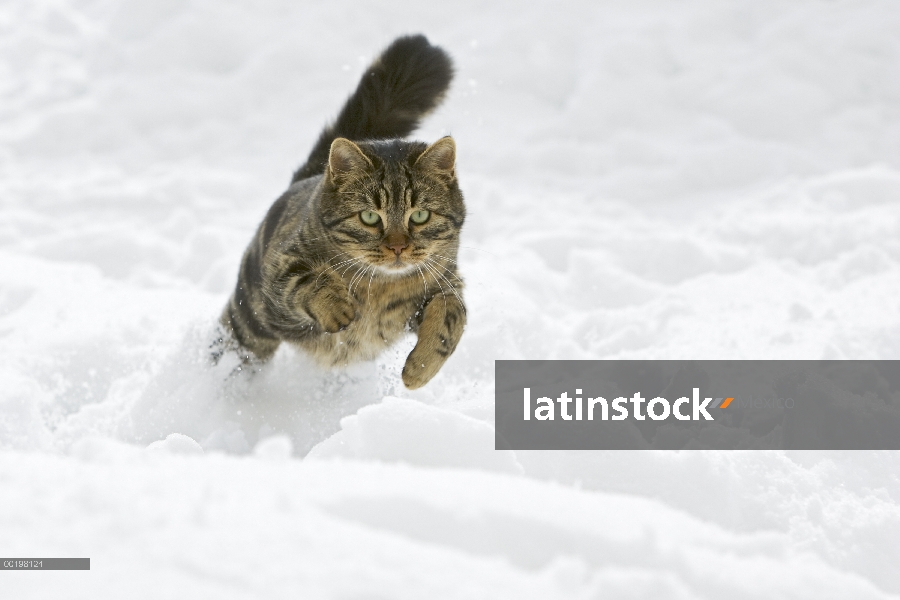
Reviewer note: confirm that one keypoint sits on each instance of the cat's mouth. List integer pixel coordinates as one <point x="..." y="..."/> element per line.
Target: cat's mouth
<point x="396" y="266"/>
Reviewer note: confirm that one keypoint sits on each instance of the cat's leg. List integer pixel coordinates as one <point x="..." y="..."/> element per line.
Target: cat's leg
<point x="244" y="333"/>
<point x="304" y="299"/>
<point x="327" y="300"/>
<point x="443" y="321"/>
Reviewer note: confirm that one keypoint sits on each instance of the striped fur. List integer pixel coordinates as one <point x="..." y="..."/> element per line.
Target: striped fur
<point x="317" y="276"/>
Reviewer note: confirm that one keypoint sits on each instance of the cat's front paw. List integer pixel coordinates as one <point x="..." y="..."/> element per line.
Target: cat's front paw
<point x="332" y="308"/>
<point x="420" y="367"/>
<point x="442" y="326"/>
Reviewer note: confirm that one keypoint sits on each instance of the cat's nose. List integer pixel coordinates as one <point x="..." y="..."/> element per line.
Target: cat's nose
<point x="398" y="248"/>
<point x="397" y="243"/>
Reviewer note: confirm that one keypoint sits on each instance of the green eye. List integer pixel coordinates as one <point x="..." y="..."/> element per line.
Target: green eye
<point x="419" y="216"/>
<point x="369" y="217"/>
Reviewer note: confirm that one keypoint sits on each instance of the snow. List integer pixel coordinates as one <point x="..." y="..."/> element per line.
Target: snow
<point x="644" y="180"/>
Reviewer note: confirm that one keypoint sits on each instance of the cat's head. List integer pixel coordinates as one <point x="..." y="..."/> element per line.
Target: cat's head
<point x="394" y="205"/>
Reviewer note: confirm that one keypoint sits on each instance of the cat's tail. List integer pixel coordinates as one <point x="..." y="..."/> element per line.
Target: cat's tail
<point x="403" y="85"/>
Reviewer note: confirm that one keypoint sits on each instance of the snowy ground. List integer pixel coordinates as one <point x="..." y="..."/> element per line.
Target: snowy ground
<point x="644" y="180"/>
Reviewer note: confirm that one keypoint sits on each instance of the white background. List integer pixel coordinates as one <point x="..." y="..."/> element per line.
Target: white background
<point x="644" y="180"/>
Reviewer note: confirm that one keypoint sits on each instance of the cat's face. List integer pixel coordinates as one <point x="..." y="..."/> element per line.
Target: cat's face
<point x="393" y="207"/>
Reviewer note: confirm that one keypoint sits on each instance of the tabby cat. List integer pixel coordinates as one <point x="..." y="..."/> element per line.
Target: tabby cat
<point x="362" y="246"/>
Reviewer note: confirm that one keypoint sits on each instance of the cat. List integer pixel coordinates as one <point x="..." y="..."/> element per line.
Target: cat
<point x="362" y="247"/>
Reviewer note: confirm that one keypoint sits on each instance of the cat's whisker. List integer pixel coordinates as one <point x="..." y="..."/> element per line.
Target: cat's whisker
<point x="333" y="267"/>
<point x="437" y="274"/>
<point x="344" y="267"/>
<point x="442" y="256"/>
<point x="452" y="289"/>
<point x="424" y="283"/>
<point x="350" y="266"/>
<point x="436" y="280"/>
<point x="358" y="277"/>
<point x="336" y="255"/>
<point x="446" y="270"/>
<point x="343" y="262"/>
<point x="352" y="277"/>
<point x="369" y="286"/>
<point x="479" y="250"/>
<point x="449" y="267"/>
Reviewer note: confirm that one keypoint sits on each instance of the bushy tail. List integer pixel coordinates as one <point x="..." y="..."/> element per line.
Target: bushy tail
<point x="404" y="84"/>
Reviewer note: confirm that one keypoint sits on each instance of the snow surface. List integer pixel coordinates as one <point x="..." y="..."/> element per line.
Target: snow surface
<point x="689" y="179"/>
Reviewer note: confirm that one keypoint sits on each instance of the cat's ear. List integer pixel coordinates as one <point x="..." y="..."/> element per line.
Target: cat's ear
<point x="439" y="158"/>
<point x="345" y="158"/>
